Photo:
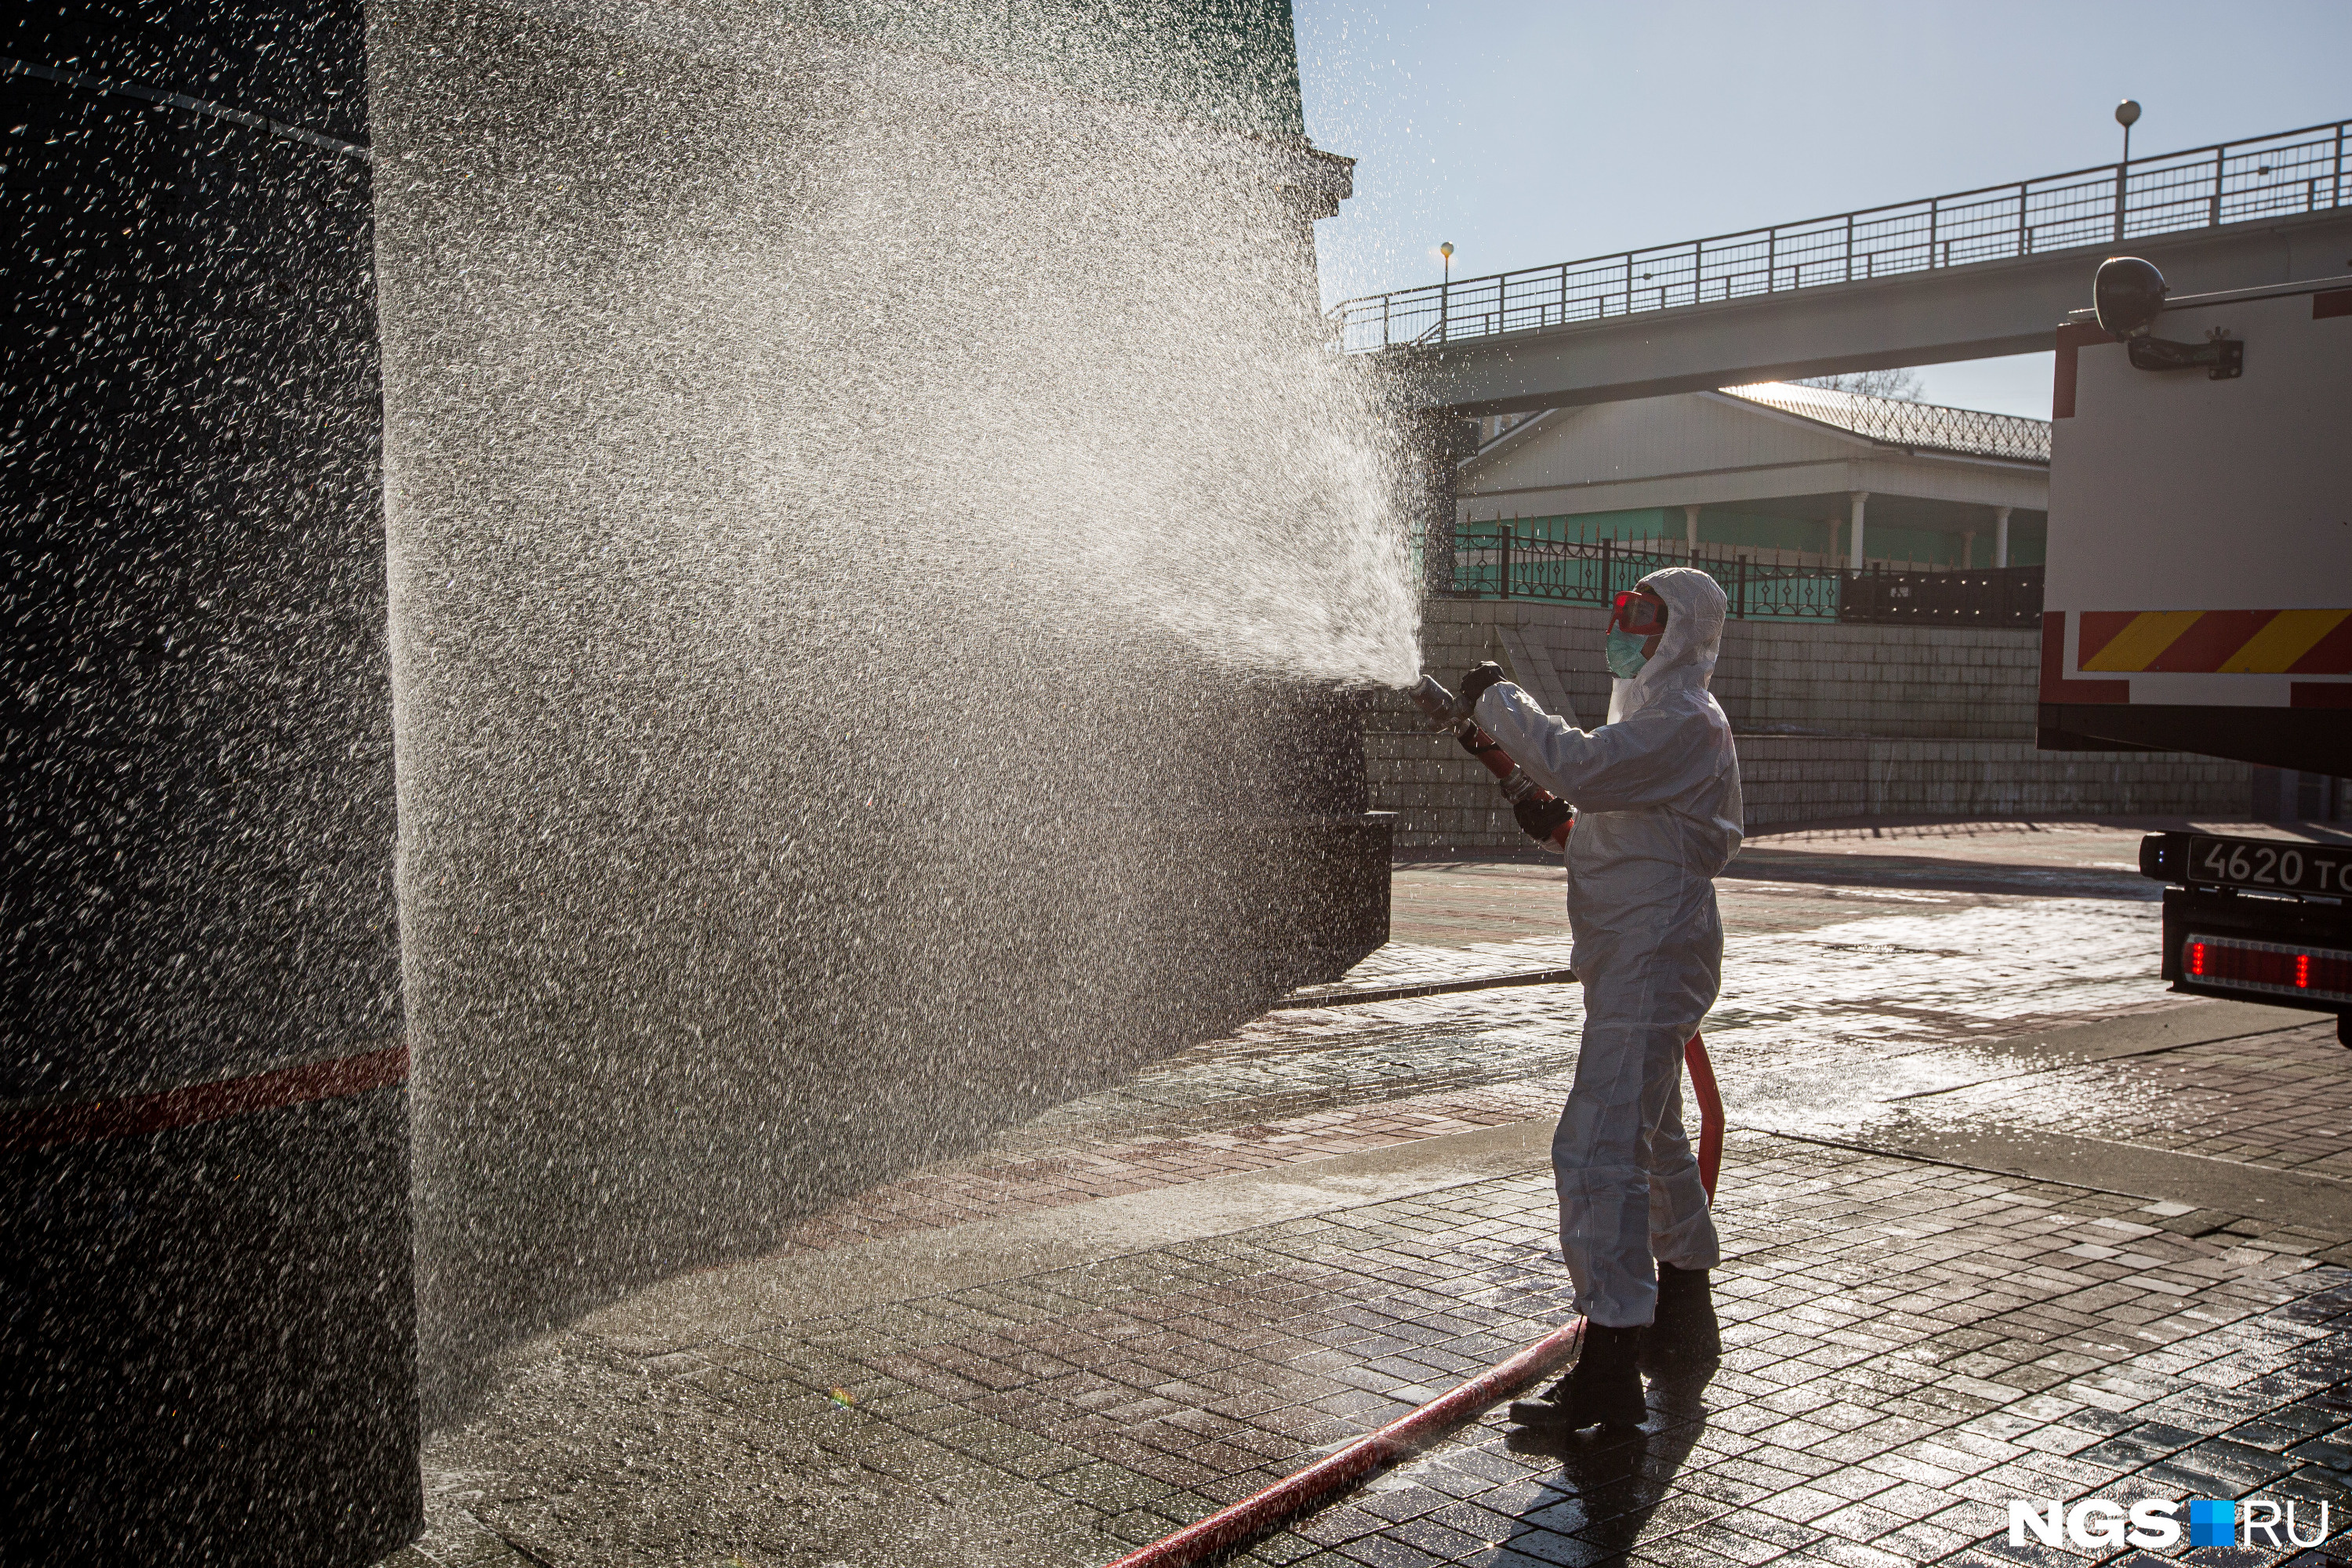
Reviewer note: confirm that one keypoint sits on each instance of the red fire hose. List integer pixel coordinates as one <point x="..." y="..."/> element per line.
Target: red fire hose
<point x="1254" y="1516"/>
<point x="1710" y="1112"/>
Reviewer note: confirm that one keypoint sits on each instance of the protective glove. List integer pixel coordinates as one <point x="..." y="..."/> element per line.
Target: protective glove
<point x="1541" y="818"/>
<point x="1475" y="684"/>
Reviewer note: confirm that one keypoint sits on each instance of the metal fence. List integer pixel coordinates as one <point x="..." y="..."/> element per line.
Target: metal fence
<point x="1494" y="561"/>
<point x="2292" y="172"/>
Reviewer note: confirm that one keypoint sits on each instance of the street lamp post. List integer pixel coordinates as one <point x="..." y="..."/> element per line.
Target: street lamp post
<point x="1444" y="288"/>
<point x="2126" y="116"/>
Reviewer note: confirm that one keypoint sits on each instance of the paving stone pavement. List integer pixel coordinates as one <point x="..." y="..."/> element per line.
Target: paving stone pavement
<point x="1907" y="1347"/>
<point x="2283" y="1100"/>
<point x="1910" y="1344"/>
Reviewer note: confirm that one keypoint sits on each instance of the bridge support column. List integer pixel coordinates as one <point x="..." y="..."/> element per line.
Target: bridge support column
<point x="2000" y="536"/>
<point x="1861" y="501"/>
<point x="1434" y="443"/>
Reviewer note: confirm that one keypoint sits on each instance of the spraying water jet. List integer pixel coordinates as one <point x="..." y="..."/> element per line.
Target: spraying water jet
<point x="503" y="483"/>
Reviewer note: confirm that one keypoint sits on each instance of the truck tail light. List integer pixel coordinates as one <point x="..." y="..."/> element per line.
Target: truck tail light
<point x="2235" y="963"/>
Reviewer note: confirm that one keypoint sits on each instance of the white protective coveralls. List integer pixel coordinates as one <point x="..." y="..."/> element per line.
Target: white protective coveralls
<point x="1657" y="797"/>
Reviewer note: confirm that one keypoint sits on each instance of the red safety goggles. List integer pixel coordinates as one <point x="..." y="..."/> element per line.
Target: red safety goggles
<point x="1639" y="613"/>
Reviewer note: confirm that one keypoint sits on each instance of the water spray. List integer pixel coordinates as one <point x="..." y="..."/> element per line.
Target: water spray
<point x="1544" y="814"/>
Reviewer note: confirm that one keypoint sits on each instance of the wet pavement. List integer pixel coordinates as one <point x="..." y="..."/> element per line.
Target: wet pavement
<point x="2004" y="1220"/>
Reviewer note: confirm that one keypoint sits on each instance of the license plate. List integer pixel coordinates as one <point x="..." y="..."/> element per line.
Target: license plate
<point x="2278" y="865"/>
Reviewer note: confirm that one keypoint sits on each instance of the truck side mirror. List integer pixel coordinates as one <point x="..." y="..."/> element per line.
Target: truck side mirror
<point x="2128" y="296"/>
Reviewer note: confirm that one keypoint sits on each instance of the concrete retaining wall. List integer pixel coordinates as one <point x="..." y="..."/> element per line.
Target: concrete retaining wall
<point x="1908" y="721"/>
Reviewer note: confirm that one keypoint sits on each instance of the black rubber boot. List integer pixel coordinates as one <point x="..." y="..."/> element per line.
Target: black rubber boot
<point x="1684" y="1336"/>
<point x="1603" y="1389"/>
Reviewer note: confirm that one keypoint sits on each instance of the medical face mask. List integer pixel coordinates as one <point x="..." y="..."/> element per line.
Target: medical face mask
<point x="1626" y="656"/>
<point x="1633" y="618"/>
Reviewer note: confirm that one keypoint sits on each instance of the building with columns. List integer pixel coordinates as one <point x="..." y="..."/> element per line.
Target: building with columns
<point x="1795" y="475"/>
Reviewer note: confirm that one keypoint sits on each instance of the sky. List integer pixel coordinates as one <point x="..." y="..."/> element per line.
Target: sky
<point x="1530" y="133"/>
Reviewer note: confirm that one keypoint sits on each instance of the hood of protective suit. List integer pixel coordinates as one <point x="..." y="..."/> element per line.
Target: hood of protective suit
<point x="1696" y="608"/>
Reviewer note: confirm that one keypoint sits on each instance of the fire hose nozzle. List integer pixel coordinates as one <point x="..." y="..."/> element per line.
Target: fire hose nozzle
<point x="1438" y="703"/>
<point x="1544" y="814"/>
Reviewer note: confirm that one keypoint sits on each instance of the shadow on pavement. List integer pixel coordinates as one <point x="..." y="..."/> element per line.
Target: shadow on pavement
<point x="1611" y="1488"/>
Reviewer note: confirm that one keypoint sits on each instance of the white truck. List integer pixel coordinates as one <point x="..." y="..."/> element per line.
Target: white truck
<point x="2198" y="597"/>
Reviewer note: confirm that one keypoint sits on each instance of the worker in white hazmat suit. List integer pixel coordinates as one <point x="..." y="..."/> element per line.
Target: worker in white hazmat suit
<point x="1658" y="815"/>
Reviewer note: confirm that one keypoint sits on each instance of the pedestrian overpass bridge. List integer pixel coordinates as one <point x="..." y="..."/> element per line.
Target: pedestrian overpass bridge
<point x="1965" y="275"/>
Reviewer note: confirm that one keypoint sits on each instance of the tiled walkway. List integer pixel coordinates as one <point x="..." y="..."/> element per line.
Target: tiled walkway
<point x="2283" y="1100"/>
<point x="1352" y="1215"/>
<point x="990" y="1189"/>
<point x="1909" y="1346"/>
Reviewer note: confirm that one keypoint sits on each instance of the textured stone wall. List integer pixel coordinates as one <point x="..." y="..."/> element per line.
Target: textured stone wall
<point x="1808" y="778"/>
<point x="1919" y="682"/>
<point x="1833" y="721"/>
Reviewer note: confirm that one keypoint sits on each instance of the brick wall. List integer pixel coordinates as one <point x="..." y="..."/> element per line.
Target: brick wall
<point x="1899" y="721"/>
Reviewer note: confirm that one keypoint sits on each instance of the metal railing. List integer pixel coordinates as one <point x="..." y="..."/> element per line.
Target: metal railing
<point x="2235" y="182"/>
<point x="1494" y="559"/>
